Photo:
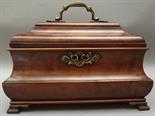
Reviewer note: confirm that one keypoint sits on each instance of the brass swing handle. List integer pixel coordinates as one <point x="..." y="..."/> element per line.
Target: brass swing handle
<point x="77" y="4"/>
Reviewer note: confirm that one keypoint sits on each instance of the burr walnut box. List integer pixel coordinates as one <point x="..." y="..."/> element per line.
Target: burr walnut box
<point x="76" y="63"/>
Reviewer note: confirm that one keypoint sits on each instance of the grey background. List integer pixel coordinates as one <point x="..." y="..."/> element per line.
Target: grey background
<point x="135" y="16"/>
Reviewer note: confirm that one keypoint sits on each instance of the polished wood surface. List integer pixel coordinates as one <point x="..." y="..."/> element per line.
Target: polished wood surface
<point x="40" y="77"/>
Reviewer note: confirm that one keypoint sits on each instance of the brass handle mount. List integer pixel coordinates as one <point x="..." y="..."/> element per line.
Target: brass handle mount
<point x="77" y="4"/>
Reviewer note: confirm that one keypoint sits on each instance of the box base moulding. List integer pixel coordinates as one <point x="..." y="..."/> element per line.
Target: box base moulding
<point x="16" y="106"/>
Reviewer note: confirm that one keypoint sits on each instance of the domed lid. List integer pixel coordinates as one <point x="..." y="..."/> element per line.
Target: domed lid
<point x="59" y="34"/>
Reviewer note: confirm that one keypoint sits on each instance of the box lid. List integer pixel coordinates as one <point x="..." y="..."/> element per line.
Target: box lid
<point x="59" y="34"/>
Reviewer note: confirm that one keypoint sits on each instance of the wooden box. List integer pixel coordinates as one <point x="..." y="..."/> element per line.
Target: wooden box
<point x="68" y="63"/>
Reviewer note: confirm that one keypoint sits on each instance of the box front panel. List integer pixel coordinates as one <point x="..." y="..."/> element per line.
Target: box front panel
<point x="77" y="62"/>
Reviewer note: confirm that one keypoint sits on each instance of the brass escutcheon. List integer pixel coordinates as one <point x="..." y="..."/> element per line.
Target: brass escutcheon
<point x="80" y="59"/>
